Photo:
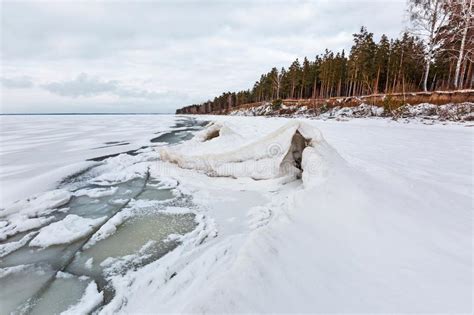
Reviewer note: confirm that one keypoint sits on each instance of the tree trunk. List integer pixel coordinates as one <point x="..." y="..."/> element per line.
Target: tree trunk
<point x="449" y="73"/>
<point x="463" y="74"/>
<point x="376" y="87"/>
<point x="314" y="88"/>
<point x="388" y="73"/>
<point x="302" y="87"/>
<point x="461" y="50"/>
<point x="469" y="73"/>
<point x="433" y="82"/>
<point x="430" y="47"/>
<point x="403" y="88"/>
<point x="427" y="71"/>
<point x="472" y="81"/>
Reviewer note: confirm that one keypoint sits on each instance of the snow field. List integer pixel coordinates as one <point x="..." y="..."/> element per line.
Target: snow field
<point x="376" y="217"/>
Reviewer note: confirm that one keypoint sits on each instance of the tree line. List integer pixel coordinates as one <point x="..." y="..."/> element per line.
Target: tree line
<point x="435" y="53"/>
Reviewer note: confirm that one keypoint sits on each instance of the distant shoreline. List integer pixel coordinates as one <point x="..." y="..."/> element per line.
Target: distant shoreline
<point x="81" y="114"/>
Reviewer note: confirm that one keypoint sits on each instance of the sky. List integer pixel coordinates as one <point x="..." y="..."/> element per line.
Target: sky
<point x="157" y="56"/>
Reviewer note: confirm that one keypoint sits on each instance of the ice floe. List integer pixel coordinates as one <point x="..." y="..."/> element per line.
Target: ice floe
<point x="90" y="300"/>
<point x="38" y="204"/>
<point x="96" y="192"/>
<point x="71" y="228"/>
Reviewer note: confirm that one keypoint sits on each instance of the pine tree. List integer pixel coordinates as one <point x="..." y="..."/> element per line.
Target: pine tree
<point x="294" y="73"/>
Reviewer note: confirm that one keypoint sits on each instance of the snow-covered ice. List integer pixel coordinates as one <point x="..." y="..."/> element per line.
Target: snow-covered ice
<point x="96" y="192"/>
<point x="369" y="216"/>
<point x="68" y="230"/>
<point x="44" y="149"/>
<point x="380" y="223"/>
<point x="37" y="204"/>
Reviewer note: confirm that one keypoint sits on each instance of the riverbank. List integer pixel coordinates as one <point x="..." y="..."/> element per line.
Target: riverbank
<point x="439" y="106"/>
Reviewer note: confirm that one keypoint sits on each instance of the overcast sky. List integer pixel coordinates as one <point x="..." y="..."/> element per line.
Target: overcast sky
<point x="152" y="56"/>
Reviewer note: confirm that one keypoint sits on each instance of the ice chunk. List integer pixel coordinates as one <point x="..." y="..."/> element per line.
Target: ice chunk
<point x="38" y="204"/>
<point x="89" y="301"/>
<point x="20" y="223"/>
<point x="89" y="262"/>
<point x="109" y="227"/>
<point x="28" y="214"/>
<point x="214" y="130"/>
<point x="10" y="247"/>
<point x="65" y="290"/>
<point x="96" y="192"/>
<point x="70" y="229"/>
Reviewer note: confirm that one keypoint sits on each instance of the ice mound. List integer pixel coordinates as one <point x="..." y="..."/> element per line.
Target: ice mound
<point x="221" y="150"/>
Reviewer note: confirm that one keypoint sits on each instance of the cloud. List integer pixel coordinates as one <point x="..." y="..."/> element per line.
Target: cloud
<point x="23" y="82"/>
<point x="91" y="30"/>
<point x="85" y="85"/>
<point x="171" y="52"/>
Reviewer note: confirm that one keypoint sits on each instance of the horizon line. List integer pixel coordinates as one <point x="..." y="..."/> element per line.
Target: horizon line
<point x="88" y="113"/>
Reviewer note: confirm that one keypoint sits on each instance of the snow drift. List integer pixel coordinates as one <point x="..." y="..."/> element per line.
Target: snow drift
<point x="295" y="149"/>
<point x="379" y="229"/>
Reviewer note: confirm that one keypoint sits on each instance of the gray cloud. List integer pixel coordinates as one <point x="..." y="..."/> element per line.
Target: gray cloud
<point x="89" y="30"/>
<point x="82" y="85"/>
<point x="85" y="85"/>
<point x="23" y="82"/>
<point x="171" y="53"/>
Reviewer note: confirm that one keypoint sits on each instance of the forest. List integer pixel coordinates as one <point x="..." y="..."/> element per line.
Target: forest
<point x="436" y="52"/>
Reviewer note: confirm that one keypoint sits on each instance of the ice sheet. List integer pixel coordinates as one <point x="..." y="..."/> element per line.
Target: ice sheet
<point x="379" y="222"/>
<point x="38" y="151"/>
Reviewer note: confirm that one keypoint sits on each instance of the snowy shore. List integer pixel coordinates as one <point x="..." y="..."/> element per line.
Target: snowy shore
<point x="425" y="112"/>
<point x="380" y="222"/>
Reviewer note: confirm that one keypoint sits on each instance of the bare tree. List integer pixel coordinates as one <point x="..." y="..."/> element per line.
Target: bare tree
<point x="428" y="17"/>
<point x="276" y="80"/>
<point x="462" y="14"/>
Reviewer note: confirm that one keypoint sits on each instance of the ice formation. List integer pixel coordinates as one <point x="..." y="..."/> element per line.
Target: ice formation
<point x="71" y="228"/>
<point x="220" y="151"/>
